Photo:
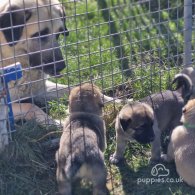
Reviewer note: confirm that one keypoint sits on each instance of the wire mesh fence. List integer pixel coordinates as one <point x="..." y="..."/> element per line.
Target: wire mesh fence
<point x="129" y="49"/>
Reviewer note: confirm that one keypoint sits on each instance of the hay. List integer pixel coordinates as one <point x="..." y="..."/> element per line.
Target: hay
<point x="26" y="167"/>
<point x="110" y="113"/>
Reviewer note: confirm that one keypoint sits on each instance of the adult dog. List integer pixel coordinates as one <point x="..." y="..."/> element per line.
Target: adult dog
<point x="29" y="30"/>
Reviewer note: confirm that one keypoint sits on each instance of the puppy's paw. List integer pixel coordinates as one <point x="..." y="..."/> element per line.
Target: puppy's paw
<point x="114" y="159"/>
<point x="164" y="158"/>
<point x="153" y="161"/>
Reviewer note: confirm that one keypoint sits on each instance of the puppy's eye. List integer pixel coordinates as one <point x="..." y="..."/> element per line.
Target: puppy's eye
<point x="42" y="34"/>
<point x="184" y="110"/>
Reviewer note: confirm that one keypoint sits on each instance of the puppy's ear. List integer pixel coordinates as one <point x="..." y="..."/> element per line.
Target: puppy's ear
<point x="125" y="123"/>
<point x="12" y="23"/>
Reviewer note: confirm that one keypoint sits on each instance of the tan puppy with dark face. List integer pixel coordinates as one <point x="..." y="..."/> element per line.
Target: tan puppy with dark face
<point x="181" y="148"/>
<point x="82" y="143"/>
<point x="134" y="122"/>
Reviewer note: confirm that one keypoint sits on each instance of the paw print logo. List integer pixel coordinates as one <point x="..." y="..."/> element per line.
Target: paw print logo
<point x="159" y="170"/>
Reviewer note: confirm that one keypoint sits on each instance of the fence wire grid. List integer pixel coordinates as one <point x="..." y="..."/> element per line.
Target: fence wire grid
<point x="129" y="49"/>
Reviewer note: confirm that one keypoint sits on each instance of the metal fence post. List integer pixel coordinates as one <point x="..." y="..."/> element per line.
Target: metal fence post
<point x="187" y="32"/>
<point x="3" y="109"/>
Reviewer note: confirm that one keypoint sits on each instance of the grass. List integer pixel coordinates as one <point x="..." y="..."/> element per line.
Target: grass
<point x="111" y="43"/>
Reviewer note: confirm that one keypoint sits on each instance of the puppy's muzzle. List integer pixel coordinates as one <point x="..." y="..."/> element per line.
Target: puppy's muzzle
<point x="146" y="137"/>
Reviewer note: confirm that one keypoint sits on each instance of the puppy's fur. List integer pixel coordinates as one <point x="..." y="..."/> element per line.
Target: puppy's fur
<point x="167" y="107"/>
<point x="181" y="148"/>
<point x="82" y="143"/>
<point x="190" y="71"/>
<point x="134" y="121"/>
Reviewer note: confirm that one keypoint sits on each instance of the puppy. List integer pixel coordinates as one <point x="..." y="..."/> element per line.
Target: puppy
<point x="134" y="121"/>
<point x="190" y="71"/>
<point x="82" y="143"/>
<point x="167" y="107"/>
<point x="181" y="148"/>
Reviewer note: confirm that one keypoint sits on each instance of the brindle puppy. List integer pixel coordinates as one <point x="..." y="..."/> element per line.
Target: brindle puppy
<point x="82" y="143"/>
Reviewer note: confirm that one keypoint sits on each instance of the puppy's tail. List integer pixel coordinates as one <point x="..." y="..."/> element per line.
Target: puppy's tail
<point x="74" y="163"/>
<point x="183" y="85"/>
